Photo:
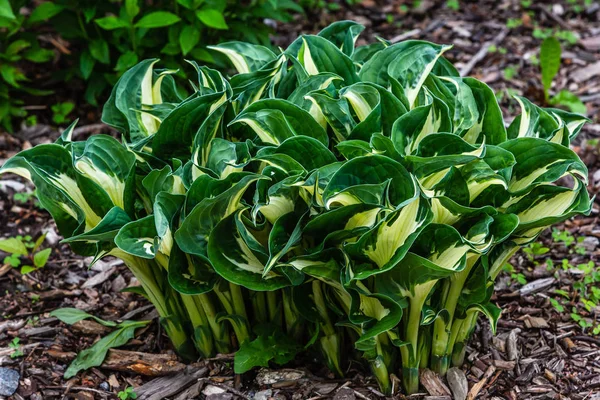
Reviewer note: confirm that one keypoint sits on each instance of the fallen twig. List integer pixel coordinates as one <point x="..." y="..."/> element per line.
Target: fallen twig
<point x="482" y="52"/>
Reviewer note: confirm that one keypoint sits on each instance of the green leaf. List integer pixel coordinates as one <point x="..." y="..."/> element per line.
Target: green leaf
<point x="258" y="353"/>
<point x="38" y="55"/>
<point x="86" y="64"/>
<point x="188" y="38"/>
<point x="6" y="10"/>
<point x="94" y="356"/>
<point x="44" y="12"/>
<point x="16" y="47"/>
<point x="72" y="315"/>
<point x="157" y="19"/>
<point x="13" y="246"/>
<point x="100" y="51"/>
<point x="569" y="100"/>
<point x="126" y="61"/>
<point x="111" y="22"/>
<point x="132" y="9"/>
<point x="41" y="257"/>
<point x="212" y="18"/>
<point x="549" y="61"/>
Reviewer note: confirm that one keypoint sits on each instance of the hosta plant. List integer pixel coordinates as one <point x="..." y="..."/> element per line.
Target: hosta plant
<point x="353" y="202"/>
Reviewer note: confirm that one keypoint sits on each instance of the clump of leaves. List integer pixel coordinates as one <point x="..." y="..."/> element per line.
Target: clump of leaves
<point x="22" y="247"/>
<point x="60" y="111"/>
<point x="356" y="202"/>
<point x="114" y="36"/>
<point x="127" y="394"/>
<point x="15" y="345"/>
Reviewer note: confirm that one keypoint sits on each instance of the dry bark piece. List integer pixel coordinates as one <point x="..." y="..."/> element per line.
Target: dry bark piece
<point x="535" y="322"/>
<point x="505" y="365"/>
<point x="457" y="381"/>
<point x="433" y="383"/>
<point x="91" y="328"/>
<point x="160" y="388"/>
<point x="512" y="350"/>
<point x="146" y="364"/>
<point x="266" y="377"/>
<point x="472" y="395"/>
<point x="584" y="74"/>
<point x="98" y="278"/>
<point x="536" y="286"/>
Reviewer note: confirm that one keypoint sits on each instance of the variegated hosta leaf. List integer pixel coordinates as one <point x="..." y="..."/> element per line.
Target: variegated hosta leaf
<point x="539" y="161"/>
<point x="376" y="108"/>
<point x="68" y="193"/>
<point x="343" y="34"/>
<point x="389" y="241"/>
<point x="331" y="228"/>
<point x="437" y="153"/>
<point x="176" y="134"/>
<point x="138" y="87"/>
<point x="554" y="125"/>
<point x="210" y="208"/>
<point x="253" y="86"/>
<point x="237" y="256"/>
<point x="409" y="62"/>
<point x="190" y="274"/>
<point x="375" y="179"/>
<point x="318" y="55"/>
<point x="546" y="205"/>
<point x="413" y="277"/>
<point x="273" y="121"/>
<point x="105" y="161"/>
<point x="374" y="312"/>
<point x="138" y="238"/>
<point x="411" y="128"/>
<point x="245" y="57"/>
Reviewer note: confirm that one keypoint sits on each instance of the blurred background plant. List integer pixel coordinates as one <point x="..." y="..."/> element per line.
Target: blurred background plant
<point x="88" y="44"/>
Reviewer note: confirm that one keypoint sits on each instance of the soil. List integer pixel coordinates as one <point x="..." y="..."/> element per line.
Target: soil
<point x="537" y="352"/>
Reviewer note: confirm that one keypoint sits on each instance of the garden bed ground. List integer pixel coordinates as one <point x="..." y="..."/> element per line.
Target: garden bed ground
<point x="538" y="352"/>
